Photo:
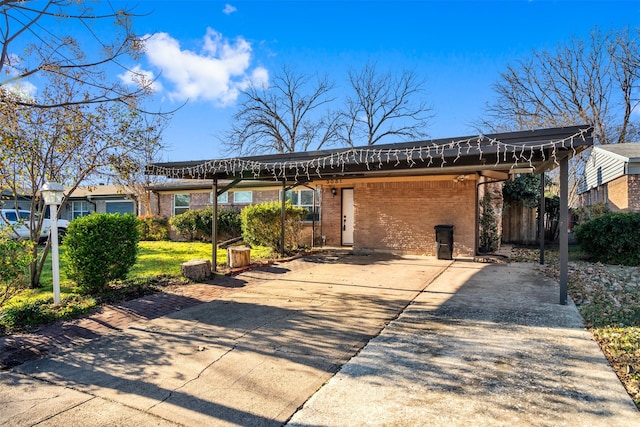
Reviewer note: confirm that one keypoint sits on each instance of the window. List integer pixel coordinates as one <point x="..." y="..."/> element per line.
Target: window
<point x="121" y="207"/>
<point x="79" y="208"/>
<point x="222" y="199"/>
<point x="242" y="197"/>
<point x="180" y="203"/>
<point x="304" y="199"/>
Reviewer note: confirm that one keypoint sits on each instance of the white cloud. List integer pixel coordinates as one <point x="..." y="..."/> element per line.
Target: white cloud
<point x="23" y="89"/>
<point x="139" y="77"/>
<point x="215" y="74"/>
<point x="228" y="9"/>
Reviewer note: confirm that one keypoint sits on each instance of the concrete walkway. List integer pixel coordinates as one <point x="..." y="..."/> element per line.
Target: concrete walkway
<point x="473" y="343"/>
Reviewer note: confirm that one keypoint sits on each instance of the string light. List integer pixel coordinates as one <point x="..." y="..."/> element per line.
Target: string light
<point x="373" y="158"/>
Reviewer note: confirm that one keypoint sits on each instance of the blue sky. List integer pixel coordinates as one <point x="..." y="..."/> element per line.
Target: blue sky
<point x="203" y="51"/>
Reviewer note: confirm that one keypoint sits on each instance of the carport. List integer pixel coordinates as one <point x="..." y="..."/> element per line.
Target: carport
<point x="482" y="158"/>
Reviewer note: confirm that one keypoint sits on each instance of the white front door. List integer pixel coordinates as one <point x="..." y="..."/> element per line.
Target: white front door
<point x="347" y="217"/>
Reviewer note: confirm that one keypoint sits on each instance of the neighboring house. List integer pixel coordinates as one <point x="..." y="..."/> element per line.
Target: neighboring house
<point x="391" y="197"/>
<point x="178" y="196"/>
<point x="8" y="200"/>
<point x="98" y="198"/>
<point x="612" y="177"/>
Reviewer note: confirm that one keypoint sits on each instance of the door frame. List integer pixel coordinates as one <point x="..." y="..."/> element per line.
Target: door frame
<point x="342" y="215"/>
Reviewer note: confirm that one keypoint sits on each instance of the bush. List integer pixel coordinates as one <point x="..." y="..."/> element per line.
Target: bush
<point x="15" y="256"/>
<point x="196" y="224"/>
<point x="587" y="213"/>
<point x="261" y="225"/>
<point x="33" y="313"/>
<point x="611" y="238"/>
<point x="154" y="228"/>
<point x="488" y="225"/>
<point x="229" y="223"/>
<point x="185" y="224"/>
<point x="100" y="248"/>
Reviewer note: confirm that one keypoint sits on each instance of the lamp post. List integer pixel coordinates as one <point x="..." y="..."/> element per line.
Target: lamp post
<point x="53" y="193"/>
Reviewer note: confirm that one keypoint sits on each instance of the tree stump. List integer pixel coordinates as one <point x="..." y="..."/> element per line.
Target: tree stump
<point x="196" y="269"/>
<point x="238" y="256"/>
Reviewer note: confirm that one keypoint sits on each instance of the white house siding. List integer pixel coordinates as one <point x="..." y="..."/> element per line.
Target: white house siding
<point x="602" y="167"/>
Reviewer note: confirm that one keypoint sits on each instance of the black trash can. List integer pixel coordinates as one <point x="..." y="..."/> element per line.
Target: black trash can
<point x="444" y="241"/>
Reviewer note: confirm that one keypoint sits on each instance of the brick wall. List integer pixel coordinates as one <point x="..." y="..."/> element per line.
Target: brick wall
<point x="400" y="215"/>
<point x="634" y="193"/>
<point x="618" y="194"/>
<point x="200" y="200"/>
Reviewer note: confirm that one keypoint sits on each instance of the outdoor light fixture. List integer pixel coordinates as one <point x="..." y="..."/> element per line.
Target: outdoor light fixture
<point x="334" y="191"/>
<point x="53" y="193"/>
<point x="515" y="171"/>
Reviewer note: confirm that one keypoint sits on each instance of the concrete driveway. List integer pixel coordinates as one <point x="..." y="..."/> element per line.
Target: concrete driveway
<point x="449" y="343"/>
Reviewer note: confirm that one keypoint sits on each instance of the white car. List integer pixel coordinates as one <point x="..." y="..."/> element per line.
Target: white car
<point x="19" y="221"/>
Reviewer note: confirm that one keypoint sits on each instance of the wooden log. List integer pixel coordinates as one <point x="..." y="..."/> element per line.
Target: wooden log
<point x="196" y="269"/>
<point x="238" y="256"/>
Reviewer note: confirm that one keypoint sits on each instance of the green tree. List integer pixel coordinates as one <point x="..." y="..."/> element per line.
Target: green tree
<point x="15" y="256"/>
<point x="67" y="145"/>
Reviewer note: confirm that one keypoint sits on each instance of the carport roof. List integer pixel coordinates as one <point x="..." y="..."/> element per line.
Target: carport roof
<point x="539" y="149"/>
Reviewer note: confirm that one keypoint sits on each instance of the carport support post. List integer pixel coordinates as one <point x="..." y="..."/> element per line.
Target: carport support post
<point x="541" y="219"/>
<point x="214" y="227"/>
<point x="564" y="229"/>
<point x="283" y="214"/>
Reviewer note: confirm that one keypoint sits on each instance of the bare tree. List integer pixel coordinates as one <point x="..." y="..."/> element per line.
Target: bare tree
<point x="384" y="106"/>
<point x="65" y="144"/>
<point x="591" y="82"/>
<point x="129" y="174"/>
<point x="283" y="117"/>
<point x="35" y="50"/>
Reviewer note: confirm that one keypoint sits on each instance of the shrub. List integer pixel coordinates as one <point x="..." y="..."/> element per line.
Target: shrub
<point x="261" y="225"/>
<point x="33" y="313"/>
<point x="229" y="223"/>
<point x="186" y="224"/>
<point x="154" y="228"/>
<point x="100" y="248"/>
<point x="611" y="238"/>
<point x="488" y="225"/>
<point x="15" y="256"/>
<point x="587" y="213"/>
<point x="196" y="224"/>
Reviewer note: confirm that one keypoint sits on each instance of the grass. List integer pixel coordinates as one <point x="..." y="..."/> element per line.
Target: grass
<point x="158" y="264"/>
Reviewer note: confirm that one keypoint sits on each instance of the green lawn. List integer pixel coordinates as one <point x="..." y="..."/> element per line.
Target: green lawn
<point x="154" y="259"/>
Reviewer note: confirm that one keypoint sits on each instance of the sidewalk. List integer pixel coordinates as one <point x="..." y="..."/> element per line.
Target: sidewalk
<point x="445" y="343"/>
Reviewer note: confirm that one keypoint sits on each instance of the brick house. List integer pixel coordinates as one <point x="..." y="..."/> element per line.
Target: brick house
<point x="177" y="196"/>
<point x="612" y="177"/>
<point x="391" y="197"/>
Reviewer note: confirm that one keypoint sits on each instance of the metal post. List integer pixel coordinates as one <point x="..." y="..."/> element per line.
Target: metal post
<point x="313" y="218"/>
<point x="214" y="227"/>
<point x="283" y="214"/>
<point x="541" y="211"/>
<point x="563" y="229"/>
<point x="55" y="259"/>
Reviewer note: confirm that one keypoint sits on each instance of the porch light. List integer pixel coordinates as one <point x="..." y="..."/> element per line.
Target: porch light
<point x="515" y="171"/>
<point x="53" y="193"/>
<point x="334" y="191"/>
